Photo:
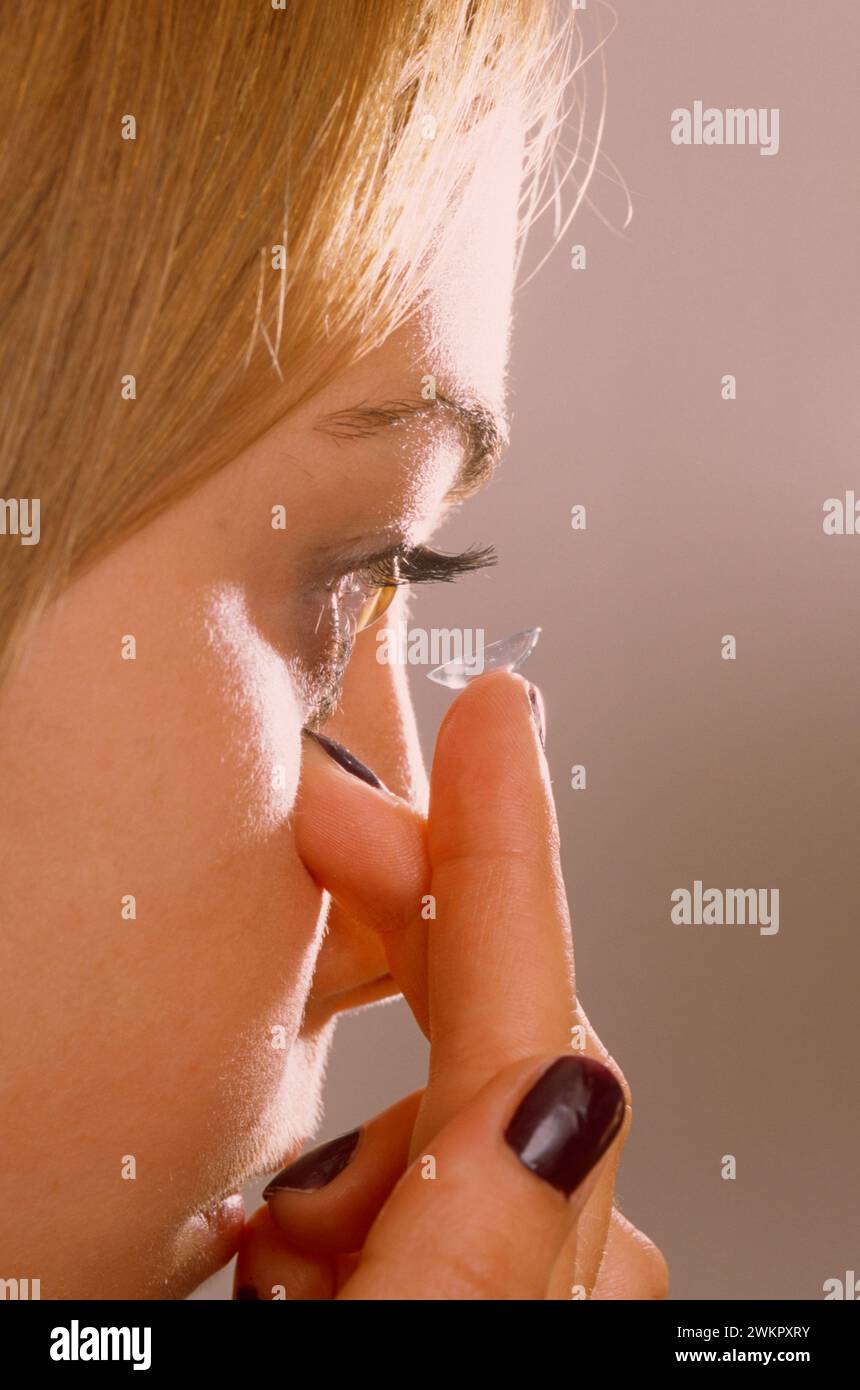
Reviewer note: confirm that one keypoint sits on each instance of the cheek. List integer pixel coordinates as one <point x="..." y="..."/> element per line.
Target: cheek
<point x="251" y="918"/>
<point x="167" y="938"/>
<point x="259" y="714"/>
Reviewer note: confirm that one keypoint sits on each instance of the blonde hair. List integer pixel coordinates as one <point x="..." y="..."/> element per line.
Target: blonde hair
<point x="339" y="132"/>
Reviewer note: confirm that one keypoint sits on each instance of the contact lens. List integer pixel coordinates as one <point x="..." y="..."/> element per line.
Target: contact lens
<point x="507" y="655"/>
<point x="375" y="606"/>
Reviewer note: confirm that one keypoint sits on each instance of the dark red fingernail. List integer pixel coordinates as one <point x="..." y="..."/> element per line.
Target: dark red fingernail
<point x="565" y="1124"/>
<point x="536" y="701"/>
<point x="317" y="1168"/>
<point x="348" y="761"/>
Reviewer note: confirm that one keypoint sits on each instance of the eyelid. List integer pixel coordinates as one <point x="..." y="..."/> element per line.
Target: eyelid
<point x="421" y="564"/>
<point x="376" y="580"/>
<point x="391" y="568"/>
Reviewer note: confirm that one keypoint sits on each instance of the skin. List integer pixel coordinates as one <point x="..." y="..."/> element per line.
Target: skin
<point x="490" y="979"/>
<point x="175" y="777"/>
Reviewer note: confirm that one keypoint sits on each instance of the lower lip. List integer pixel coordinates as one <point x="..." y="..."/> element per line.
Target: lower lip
<point x="225" y="1221"/>
<point x="213" y="1237"/>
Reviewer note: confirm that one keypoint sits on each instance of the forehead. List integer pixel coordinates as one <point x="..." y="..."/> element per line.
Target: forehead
<point x="458" y="336"/>
<point x="460" y="333"/>
<point x="465" y="322"/>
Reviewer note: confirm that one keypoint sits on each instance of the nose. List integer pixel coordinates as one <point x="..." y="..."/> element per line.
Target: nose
<point x="376" y="722"/>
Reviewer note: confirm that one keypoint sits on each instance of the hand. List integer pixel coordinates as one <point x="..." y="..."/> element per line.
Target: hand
<point x="434" y="1201"/>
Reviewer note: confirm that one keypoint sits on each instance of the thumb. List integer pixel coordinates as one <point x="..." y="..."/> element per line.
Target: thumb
<point x="485" y="1211"/>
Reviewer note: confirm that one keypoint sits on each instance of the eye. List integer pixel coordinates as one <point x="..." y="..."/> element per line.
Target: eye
<point x="359" y="598"/>
<point x="362" y="596"/>
<point x="377" y="603"/>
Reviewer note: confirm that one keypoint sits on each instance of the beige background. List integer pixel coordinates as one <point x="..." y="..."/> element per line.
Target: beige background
<point x="704" y="518"/>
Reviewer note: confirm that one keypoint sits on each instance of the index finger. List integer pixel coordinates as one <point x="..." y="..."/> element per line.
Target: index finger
<point x="500" y="975"/>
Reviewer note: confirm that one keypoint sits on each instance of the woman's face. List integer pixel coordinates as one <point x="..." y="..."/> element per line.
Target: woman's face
<point x="167" y="992"/>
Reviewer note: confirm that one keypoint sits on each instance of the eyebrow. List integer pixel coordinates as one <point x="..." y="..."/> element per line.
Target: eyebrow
<point x="484" y="432"/>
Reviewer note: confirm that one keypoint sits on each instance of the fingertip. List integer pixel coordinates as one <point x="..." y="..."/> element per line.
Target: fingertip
<point x="490" y="789"/>
<point x="269" y="1268"/>
<point x="503" y="692"/>
<point x="362" y="843"/>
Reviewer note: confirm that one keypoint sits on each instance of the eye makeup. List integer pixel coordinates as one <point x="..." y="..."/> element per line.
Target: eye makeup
<point x="354" y="600"/>
<point x="404" y="564"/>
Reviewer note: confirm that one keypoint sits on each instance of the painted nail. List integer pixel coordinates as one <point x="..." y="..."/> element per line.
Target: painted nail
<point x="507" y="655"/>
<point x="567" y="1121"/>
<point x="536" y="701"/>
<point x="245" y="1293"/>
<point x="348" y="761"/>
<point x="317" y="1168"/>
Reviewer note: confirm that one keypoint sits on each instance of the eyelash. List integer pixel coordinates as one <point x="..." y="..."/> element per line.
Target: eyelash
<point x="421" y="565"/>
<point x="397" y="566"/>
